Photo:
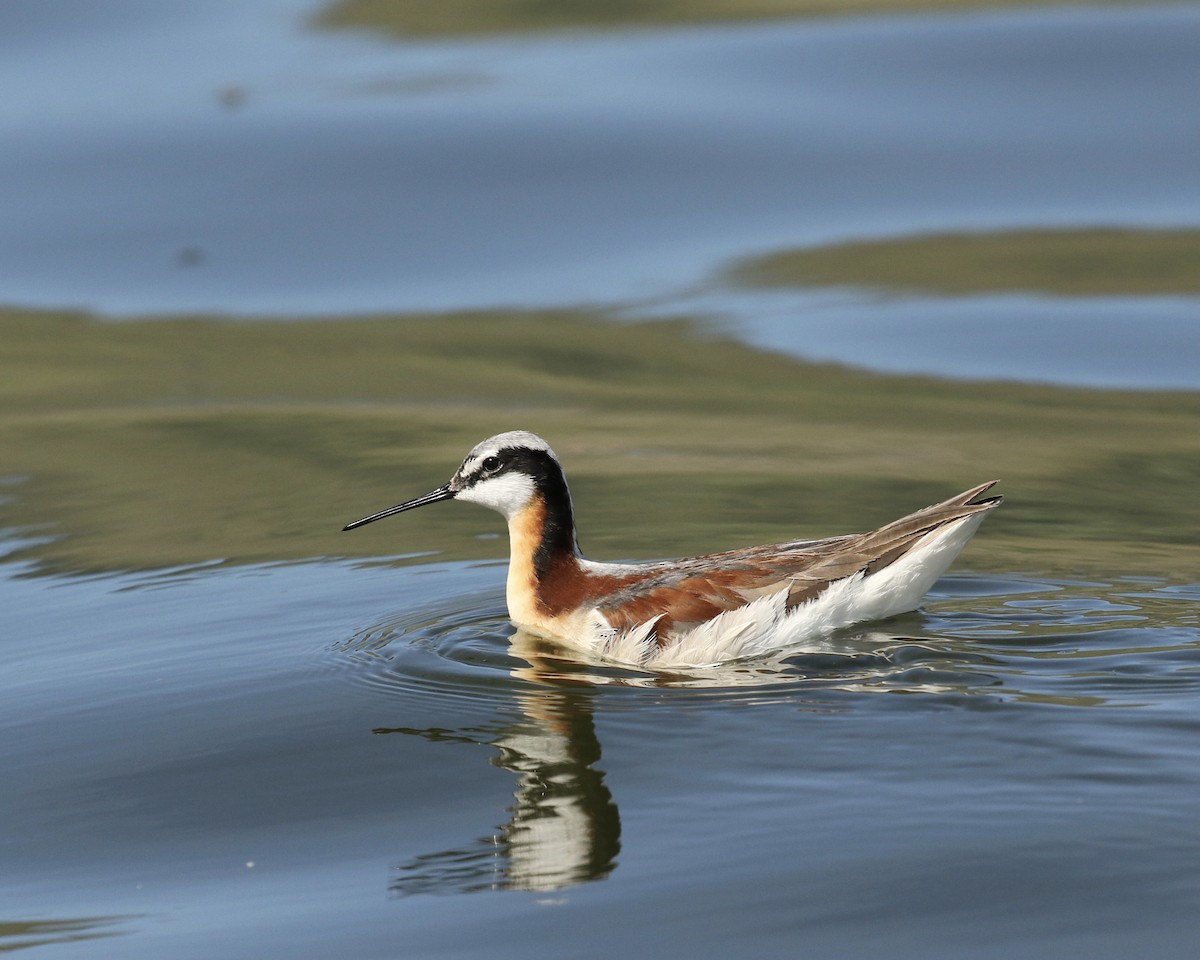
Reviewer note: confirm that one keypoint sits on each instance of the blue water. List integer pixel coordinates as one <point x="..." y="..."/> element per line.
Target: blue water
<point x="176" y="157"/>
<point x="361" y="759"/>
<point x="304" y="759"/>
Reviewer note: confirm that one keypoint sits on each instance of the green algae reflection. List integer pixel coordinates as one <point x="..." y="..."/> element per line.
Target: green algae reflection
<point x="1066" y="262"/>
<point x="152" y="444"/>
<point x="22" y="934"/>
<point x="425" y="18"/>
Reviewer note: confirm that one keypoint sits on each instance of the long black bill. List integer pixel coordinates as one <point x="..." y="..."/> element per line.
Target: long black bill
<point x="441" y="493"/>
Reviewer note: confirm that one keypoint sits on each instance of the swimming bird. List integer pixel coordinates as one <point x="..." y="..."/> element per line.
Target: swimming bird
<point x="695" y="611"/>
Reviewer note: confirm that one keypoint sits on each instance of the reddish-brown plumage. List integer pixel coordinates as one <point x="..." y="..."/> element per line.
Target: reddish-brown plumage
<point x="553" y="590"/>
<point x="569" y="587"/>
<point x="682" y="593"/>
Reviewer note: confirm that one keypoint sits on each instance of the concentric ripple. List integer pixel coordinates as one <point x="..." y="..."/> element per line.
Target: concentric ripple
<point x="452" y="648"/>
<point x="1064" y="642"/>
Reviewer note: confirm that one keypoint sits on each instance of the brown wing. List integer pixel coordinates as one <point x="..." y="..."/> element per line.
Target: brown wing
<point x="685" y="596"/>
<point x="696" y="589"/>
<point x="873" y="551"/>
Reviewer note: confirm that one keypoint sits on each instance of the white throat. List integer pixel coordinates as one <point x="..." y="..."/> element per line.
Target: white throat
<point x="509" y="493"/>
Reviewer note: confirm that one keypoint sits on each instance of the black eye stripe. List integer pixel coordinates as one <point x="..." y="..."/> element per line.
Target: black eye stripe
<point x="531" y="462"/>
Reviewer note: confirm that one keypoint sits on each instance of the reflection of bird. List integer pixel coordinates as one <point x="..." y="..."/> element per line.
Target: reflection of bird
<point x="563" y="826"/>
<point x="698" y="610"/>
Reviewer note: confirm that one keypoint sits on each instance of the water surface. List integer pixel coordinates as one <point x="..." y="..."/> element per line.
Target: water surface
<point x="290" y="760"/>
<point x="231" y="158"/>
<point x="228" y="729"/>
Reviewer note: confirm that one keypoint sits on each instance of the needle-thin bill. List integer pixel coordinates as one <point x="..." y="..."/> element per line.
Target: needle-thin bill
<point x="441" y="493"/>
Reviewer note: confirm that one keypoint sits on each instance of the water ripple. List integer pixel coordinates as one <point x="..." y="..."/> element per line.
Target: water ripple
<point x="1024" y="639"/>
<point x="452" y="648"/>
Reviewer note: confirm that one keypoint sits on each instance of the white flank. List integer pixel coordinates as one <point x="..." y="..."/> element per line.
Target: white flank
<point x="767" y="626"/>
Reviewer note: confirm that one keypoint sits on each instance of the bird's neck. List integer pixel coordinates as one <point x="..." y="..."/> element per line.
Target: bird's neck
<point x="543" y="548"/>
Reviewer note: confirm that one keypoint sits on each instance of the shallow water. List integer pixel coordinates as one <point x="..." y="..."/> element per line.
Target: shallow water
<point x="272" y="752"/>
<point x="284" y="760"/>
<point x="177" y="158"/>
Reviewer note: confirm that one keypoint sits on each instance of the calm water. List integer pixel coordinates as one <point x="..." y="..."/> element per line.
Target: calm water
<point x="360" y="758"/>
<point x="177" y="157"/>
<point x="306" y="759"/>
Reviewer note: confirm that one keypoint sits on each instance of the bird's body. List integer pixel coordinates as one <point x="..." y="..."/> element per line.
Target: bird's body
<point x="696" y="610"/>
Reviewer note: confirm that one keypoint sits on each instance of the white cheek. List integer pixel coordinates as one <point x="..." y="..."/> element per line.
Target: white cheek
<point x="508" y="493"/>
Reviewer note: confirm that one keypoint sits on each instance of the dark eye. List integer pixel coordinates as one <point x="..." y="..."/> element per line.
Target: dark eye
<point x="491" y="464"/>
